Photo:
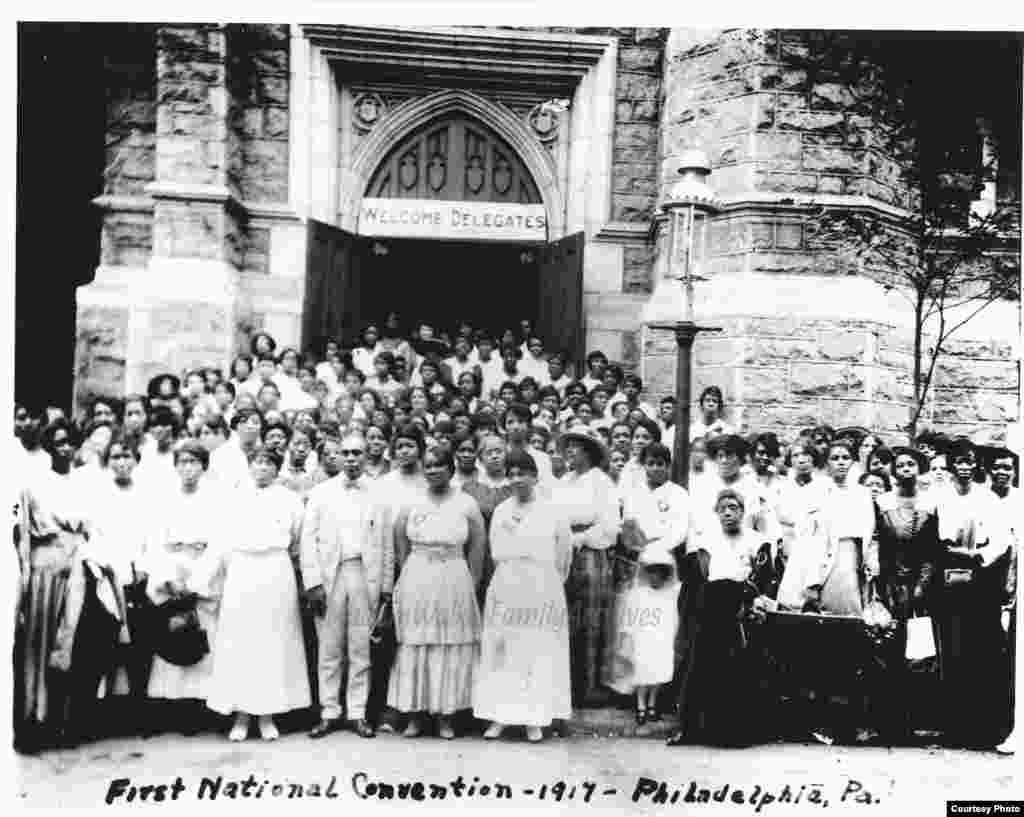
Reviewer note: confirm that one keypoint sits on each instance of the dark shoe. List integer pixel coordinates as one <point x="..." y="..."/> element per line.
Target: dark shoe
<point x="676" y="739"/>
<point x="651" y="715"/>
<point x="323" y="729"/>
<point x="641" y="717"/>
<point x="364" y="728"/>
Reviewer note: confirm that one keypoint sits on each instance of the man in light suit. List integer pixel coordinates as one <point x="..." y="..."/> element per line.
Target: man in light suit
<point x="348" y="568"/>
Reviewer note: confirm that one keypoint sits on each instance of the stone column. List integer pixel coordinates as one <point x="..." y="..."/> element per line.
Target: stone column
<point x="187" y="305"/>
<point x="781" y="139"/>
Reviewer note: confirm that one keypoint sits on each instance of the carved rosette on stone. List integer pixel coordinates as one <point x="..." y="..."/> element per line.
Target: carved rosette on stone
<point x="367" y="110"/>
<point x="545" y="118"/>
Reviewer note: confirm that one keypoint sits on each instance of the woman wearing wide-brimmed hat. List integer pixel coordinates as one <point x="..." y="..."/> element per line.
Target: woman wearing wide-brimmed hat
<point x="590" y="500"/>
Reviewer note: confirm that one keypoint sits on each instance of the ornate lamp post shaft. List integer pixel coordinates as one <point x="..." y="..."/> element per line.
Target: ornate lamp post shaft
<point x="687" y="202"/>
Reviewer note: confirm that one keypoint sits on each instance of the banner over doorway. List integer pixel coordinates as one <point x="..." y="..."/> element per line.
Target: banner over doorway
<point x="463" y="220"/>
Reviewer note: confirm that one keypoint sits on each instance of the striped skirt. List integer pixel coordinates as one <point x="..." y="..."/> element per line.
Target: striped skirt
<point x="42" y="607"/>
<point x="590" y="591"/>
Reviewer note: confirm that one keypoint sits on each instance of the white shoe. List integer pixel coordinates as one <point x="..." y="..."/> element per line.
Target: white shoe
<point x="494" y="731"/>
<point x="534" y="734"/>
<point x="240" y="729"/>
<point x="267" y="729"/>
<point x="1008" y="746"/>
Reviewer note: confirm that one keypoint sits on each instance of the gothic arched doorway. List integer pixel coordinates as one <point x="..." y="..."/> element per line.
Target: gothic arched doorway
<point x="452" y="226"/>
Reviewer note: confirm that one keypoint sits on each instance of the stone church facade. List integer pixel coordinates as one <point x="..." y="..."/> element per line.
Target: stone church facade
<point x="233" y="150"/>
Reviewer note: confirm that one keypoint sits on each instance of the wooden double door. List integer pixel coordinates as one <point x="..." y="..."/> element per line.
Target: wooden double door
<point x="352" y="280"/>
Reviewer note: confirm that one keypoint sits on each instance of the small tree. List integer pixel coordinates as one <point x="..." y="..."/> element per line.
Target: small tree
<point x="917" y="112"/>
<point x="948" y="276"/>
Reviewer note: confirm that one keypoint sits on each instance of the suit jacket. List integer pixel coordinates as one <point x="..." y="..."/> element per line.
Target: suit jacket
<point x="321" y="537"/>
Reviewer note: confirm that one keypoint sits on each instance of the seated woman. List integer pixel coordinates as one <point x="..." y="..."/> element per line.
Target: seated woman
<point x="717" y="689"/>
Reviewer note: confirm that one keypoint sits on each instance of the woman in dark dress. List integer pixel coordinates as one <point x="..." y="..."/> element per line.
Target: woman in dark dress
<point x="908" y="553"/>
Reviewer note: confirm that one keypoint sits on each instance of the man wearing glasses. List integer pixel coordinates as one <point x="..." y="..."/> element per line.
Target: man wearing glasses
<point x="348" y="572"/>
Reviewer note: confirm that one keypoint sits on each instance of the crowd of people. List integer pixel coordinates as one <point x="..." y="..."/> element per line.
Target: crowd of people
<point x="446" y="533"/>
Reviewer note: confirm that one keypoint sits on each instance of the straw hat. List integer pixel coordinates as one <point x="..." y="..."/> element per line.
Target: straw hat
<point x="590" y="439"/>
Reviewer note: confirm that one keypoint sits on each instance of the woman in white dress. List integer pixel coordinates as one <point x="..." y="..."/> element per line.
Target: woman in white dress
<point x="259" y="665"/>
<point x="185" y="560"/>
<point x="524" y="651"/>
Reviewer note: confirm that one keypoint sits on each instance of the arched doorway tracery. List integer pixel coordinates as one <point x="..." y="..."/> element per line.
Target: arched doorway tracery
<point x="455" y="158"/>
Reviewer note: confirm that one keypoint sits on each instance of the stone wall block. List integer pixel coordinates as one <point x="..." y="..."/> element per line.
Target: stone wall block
<point x="861" y="186"/>
<point x="636" y="136"/>
<point x="638" y="269"/>
<point x="952" y="372"/>
<point x="763" y="384"/>
<point x="629" y="85"/>
<point x="782" y="326"/>
<point x="717" y="351"/>
<point x="809" y="122"/>
<point x="645" y="58"/>
<point x="833" y="159"/>
<point x="973" y="348"/>
<point x="101" y="345"/>
<point x="826" y="380"/>
<point x="786" y="182"/>
<point x="265" y="175"/>
<point x="840" y="346"/>
<point x="776" y="351"/>
<point x="126" y="238"/>
<point x="789" y="236"/>
<point x="660" y="375"/>
<point x="270" y="60"/>
<point x="272" y="90"/>
<point x="762" y="235"/>
<point x="840" y="413"/>
<point x="645" y="153"/>
<point x="828" y="95"/>
<point x="632" y="208"/>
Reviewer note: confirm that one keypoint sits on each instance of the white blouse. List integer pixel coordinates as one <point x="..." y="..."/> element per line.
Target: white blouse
<point x="662" y="514"/>
<point x="591" y="499"/>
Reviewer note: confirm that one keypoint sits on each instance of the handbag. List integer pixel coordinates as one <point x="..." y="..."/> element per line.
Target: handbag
<point x="920" y="639"/>
<point x="876" y="614"/>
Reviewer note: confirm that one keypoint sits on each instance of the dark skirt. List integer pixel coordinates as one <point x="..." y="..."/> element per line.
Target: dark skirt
<point x="717" y="683"/>
<point x="974" y="657"/>
<point x="590" y="591"/>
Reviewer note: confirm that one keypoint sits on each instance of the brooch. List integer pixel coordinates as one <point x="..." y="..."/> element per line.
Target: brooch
<point x="663" y="506"/>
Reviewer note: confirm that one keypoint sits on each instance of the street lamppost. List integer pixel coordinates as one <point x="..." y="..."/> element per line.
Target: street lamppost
<point x="686" y="207"/>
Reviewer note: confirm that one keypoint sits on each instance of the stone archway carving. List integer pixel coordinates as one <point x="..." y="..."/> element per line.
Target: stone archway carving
<point x="416" y="113"/>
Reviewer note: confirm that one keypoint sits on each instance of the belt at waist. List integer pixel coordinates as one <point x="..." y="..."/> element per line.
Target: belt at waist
<point x="580" y="528"/>
<point x="357" y="558"/>
<point x="438" y="554"/>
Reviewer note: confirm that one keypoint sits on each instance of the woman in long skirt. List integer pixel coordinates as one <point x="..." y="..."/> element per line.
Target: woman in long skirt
<point x="440" y="541"/>
<point x="524" y="652"/>
<point x="259" y="659"/>
<point x="908" y="557"/>
<point x="973" y="665"/>
<point x="589" y="500"/>
<point x="50" y="534"/>
<point x="718" y="696"/>
<point x="186" y="560"/>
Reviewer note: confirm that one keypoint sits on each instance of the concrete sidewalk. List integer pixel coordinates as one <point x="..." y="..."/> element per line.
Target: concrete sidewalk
<point x="597" y="771"/>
